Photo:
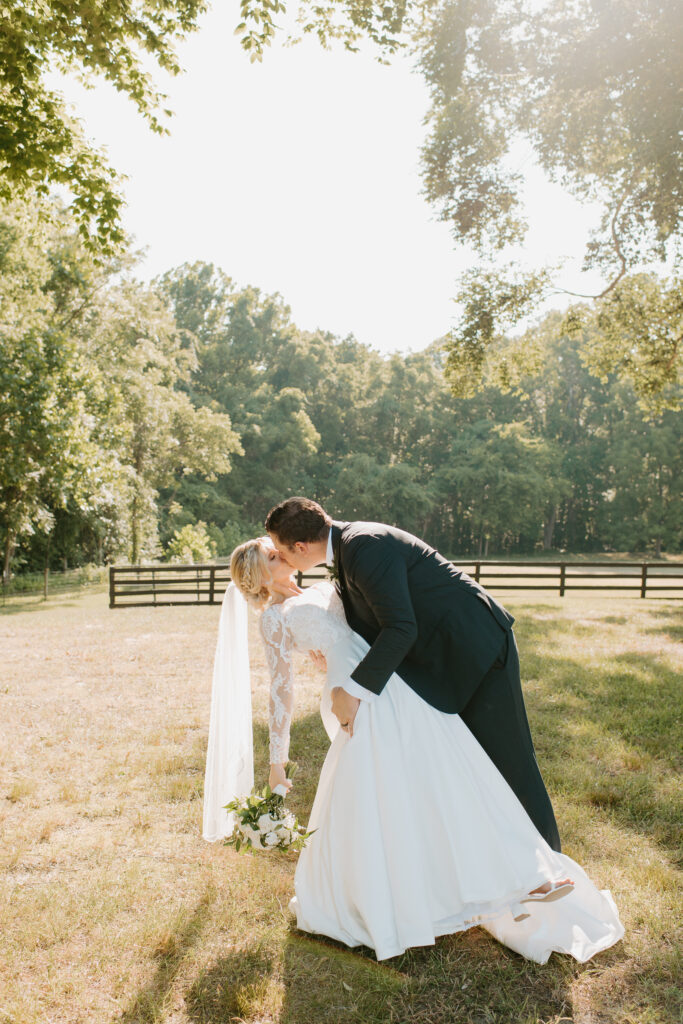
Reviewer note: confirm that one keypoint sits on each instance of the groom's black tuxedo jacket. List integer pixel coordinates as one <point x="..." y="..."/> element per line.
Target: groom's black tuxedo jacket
<point x="422" y="617"/>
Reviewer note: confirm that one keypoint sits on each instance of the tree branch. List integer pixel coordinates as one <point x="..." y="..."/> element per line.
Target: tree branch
<point x="622" y="259"/>
<point x="84" y="305"/>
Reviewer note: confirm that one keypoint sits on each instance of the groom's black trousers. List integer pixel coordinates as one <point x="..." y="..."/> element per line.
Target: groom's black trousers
<point x="496" y="717"/>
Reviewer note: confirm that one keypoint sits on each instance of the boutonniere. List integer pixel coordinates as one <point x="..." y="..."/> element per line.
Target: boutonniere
<point x="333" y="572"/>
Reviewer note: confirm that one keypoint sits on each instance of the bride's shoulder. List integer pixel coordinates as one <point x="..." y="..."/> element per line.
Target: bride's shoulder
<point x="270" y="621"/>
<point x="322" y="587"/>
<point x="319" y="594"/>
<point x="325" y="594"/>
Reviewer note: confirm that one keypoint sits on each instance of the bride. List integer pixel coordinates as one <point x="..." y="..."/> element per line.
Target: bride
<point x="416" y="832"/>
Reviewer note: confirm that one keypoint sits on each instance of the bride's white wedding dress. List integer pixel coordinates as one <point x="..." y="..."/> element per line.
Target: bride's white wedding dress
<point x="416" y="832"/>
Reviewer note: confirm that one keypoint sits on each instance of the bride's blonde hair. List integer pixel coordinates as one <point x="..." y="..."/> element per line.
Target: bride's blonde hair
<point x="249" y="571"/>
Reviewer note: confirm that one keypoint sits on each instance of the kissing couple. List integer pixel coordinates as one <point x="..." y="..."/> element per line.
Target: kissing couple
<point x="431" y="815"/>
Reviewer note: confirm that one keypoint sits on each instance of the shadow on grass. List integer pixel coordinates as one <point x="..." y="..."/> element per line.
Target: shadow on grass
<point x="16" y="606"/>
<point x="607" y="735"/>
<point x="307" y="749"/>
<point x="13" y="603"/>
<point x="147" y="1005"/>
<point x="309" y="980"/>
<point x="673" y="622"/>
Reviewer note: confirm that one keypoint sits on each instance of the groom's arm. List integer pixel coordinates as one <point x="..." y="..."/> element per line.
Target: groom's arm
<point x="382" y="579"/>
<point x="354" y="689"/>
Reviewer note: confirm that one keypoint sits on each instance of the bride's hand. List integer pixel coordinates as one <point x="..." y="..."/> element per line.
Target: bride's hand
<point x="277" y="777"/>
<point x="318" y="659"/>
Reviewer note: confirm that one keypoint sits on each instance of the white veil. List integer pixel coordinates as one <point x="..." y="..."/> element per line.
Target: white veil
<point x="230" y="752"/>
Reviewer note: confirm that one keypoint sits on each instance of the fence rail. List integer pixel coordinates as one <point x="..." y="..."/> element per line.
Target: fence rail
<point x="186" y="584"/>
<point x="141" y="585"/>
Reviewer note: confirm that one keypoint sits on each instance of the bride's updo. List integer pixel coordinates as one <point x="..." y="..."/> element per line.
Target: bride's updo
<point x="249" y="572"/>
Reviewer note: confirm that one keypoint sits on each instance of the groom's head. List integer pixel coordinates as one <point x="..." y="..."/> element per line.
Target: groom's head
<point x="298" y="527"/>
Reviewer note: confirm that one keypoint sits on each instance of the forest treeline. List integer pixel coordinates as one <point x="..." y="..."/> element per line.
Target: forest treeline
<point x="138" y="421"/>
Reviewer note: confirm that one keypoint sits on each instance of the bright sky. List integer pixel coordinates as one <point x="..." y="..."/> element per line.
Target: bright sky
<point x="300" y="176"/>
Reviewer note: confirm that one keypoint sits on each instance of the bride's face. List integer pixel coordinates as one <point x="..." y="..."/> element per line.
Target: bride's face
<point x="279" y="570"/>
<point x="301" y="556"/>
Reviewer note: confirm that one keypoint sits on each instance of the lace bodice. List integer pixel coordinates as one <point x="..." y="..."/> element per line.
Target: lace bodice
<point x="312" y="621"/>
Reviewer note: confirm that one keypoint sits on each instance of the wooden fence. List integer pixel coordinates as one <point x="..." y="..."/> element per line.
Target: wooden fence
<point x="134" y="586"/>
<point x="137" y="585"/>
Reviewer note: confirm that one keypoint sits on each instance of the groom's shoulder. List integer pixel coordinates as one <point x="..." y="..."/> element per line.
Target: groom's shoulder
<point x="363" y="528"/>
<point x="371" y="531"/>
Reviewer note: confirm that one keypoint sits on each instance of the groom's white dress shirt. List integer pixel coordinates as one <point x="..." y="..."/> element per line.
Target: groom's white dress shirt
<point x="353" y="688"/>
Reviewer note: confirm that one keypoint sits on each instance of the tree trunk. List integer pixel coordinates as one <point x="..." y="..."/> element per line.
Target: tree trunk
<point x="10" y="546"/>
<point x="134" y="531"/>
<point x="549" y="528"/>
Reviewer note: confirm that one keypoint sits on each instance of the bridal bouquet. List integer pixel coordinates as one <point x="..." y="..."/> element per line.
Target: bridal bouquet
<point x="264" y="823"/>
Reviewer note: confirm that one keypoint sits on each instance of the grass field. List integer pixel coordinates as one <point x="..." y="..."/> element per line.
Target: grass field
<point x="113" y="909"/>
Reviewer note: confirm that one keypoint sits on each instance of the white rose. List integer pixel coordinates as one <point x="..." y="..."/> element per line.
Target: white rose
<point x="249" y="833"/>
<point x="285" y="836"/>
<point x="272" y="839"/>
<point x="289" y="820"/>
<point x="265" y="823"/>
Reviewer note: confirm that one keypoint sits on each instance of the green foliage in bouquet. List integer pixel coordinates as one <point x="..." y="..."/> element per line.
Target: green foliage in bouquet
<point x="264" y="823"/>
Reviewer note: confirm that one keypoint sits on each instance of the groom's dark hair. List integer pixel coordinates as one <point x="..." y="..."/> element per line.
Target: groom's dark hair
<point x="298" y="519"/>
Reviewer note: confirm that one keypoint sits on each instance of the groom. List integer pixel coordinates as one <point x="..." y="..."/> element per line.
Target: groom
<point x="433" y="625"/>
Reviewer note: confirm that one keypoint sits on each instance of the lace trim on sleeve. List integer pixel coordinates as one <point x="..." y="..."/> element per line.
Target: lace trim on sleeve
<point x="278" y="648"/>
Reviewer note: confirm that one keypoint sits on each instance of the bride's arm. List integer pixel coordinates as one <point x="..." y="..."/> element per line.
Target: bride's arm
<point x="278" y="648"/>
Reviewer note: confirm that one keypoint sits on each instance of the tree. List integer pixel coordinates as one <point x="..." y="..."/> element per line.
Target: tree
<point x="191" y="544"/>
<point x="156" y="431"/>
<point x="637" y="331"/>
<point x="592" y="85"/>
<point x="589" y="88"/>
<point x="367" y="489"/>
<point x="95" y="415"/>
<point x="41" y="145"/>
<point x="592" y="88"/>
<point x="537" y="458"/>
<point x="48" y="459"/>
<point x="642" y="506"/>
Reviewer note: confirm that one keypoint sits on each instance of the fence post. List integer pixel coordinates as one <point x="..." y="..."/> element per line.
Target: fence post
<point x="112" y="587"/>
<point x="477" y="571"/>
<point x="563" y="572"/>
<point x="212" y="582"/>
<point x="299" y="578"/>
<point x="643" y="579"/>
<point x="154" y="585"/>
<point x="46" y="573"/>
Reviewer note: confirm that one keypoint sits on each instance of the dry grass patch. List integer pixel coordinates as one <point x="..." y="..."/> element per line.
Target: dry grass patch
<point x="114" y="911"/>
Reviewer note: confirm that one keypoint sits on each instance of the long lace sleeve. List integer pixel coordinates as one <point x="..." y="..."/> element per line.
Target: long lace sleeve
<point x="279" y="657"/>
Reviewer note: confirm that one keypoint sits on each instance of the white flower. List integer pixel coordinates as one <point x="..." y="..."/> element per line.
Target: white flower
<point x="285" y="836"/>
<point x="289" y="820"/>
<point x="266" y="822"/>
<point x="272" y="839"/>
<point x="249" y="833"/>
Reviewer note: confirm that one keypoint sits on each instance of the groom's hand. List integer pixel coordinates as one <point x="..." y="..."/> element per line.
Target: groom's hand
<point x="319" y="660"/>
<point x="345" y="707"/>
